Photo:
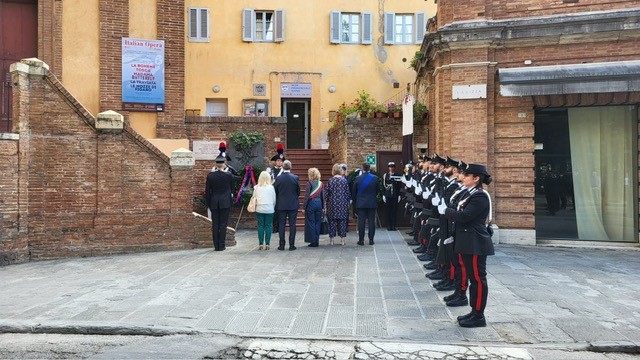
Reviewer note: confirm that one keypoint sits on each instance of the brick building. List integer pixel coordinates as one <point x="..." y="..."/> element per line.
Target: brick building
<point x="546" y="93"/>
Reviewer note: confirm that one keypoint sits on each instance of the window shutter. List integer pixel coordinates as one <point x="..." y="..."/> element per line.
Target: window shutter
<point x="335" y="27"/>
<point x="193" y="24"/>
<point x="204" y="24"/>
<point x="367" y="27"/>
<point x="248" y="21"/>
<point x="279" y="26"/>
<point x="389" y="27"/>
<point x="421" y="27"/>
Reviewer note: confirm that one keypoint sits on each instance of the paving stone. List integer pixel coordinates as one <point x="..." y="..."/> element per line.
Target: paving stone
<point x="217" y="319"/>
<point x="315" y="303"/>
<point x="337" y="299"/>
<point x="308" y="324"/>
<point x="403" y="308"/>
<point x="368" y="290"/>
<point x="398" y="292"/>
<point x="287" y="301"/>
<point x="340" y="317"/>
<point x="435" y="312"/>
<point x="394" y="281"/>
<point x="369" y="306"/>
<point x="371" y="325"/>
<point x="244" y="322"/>
<point x="277" y="319"/>
<point x="320" y="288"/>
<point x="339" y="331"/>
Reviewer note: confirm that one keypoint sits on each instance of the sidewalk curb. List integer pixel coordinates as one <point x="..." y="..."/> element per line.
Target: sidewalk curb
<point x="614" y="347"/>
<point x="92" y="329"/>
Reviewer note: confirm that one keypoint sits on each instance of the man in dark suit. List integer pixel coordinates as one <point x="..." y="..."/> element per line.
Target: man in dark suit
<point x="365" y="194"/>
<point x="218" y="200"/>
<point x="287" y="189"/>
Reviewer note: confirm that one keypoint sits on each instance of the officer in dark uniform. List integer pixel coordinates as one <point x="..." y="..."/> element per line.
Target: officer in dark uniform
<point x="275" y="171"/>
<point x="445" y="246"/>
<point x="473" y="240"/>
<point x="218" y="199"/>
<point x="391" y="195"/>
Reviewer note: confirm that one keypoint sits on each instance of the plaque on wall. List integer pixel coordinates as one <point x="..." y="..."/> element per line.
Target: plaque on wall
<point x="478" y="91"/>
<point x="206" y="150"/>
<point x="259" y="89"/>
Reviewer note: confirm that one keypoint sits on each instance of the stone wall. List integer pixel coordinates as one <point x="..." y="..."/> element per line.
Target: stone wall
<point x="91" y="186"/>
<point x="211" y="128"/>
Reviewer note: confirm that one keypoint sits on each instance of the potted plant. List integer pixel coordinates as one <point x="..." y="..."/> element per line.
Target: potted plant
<point x="380" y="111"/>
<point x="394" y="109"/>
<point x="416" y="60"/>
<point x="420" y="113"/>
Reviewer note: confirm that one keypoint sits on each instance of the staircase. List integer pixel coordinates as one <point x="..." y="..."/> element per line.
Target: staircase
<point x="301" y="162"/>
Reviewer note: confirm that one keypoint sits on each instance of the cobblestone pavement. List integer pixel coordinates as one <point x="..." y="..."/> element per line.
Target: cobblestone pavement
<point x="537" y="295"/>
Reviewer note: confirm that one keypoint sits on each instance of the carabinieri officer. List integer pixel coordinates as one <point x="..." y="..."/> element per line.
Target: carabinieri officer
<point x="473" y="241"/>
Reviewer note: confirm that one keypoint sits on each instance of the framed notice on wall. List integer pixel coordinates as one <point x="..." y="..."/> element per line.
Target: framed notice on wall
<point x="142" y="74"/>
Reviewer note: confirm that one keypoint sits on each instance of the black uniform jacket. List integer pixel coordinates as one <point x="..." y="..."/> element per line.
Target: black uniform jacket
<point x="287" y="189"/>
<point x="471" y="230"/>
<point x="218" y="189"/>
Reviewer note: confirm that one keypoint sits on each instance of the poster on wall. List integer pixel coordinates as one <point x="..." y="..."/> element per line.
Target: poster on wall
<point x="142" y="74"/>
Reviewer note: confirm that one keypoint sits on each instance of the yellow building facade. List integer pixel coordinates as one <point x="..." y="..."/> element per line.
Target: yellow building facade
<point x="298" y="59"/>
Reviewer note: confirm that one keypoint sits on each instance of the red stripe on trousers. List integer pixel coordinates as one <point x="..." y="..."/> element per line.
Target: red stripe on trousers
<point x="463" y="272"/>
<point x="476" y="274"/>
<point x="452" y="273"/>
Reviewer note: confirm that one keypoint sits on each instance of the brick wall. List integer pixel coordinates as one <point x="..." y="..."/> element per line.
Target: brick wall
<point x="171" y="29"/>
<point x="86" y="192"/>
<point x="463" y="10"/>
<point x="211" y="128"/>
<point x="12" y="248"/>
<point x="50" y="34"/>
<point x="350" y="140"/>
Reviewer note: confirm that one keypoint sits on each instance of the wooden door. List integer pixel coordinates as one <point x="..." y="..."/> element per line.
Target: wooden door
<point x="18" y="40"/>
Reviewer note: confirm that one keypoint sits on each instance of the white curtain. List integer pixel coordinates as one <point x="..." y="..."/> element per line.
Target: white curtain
<point x="601" y="140"/>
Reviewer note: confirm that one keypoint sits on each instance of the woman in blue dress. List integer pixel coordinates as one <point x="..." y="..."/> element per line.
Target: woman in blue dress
<point x="313" y="208"/>
<point x="337" y="201"/>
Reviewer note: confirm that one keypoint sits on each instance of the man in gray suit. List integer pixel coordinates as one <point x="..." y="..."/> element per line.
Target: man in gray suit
<point x="287" y="189"/>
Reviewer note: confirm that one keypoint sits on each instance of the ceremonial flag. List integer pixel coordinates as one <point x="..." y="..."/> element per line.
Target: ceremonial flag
<point x="407" y="128"/>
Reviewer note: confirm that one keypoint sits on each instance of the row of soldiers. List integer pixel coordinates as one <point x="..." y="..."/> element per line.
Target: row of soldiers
<point x="449" y="209"/>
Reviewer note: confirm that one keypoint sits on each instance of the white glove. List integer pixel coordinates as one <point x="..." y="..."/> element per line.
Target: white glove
<point x="398" y="198"/>
<point x="418" y="190"/>
<point x="425" y="195"/>
<point x="435" y="200"/>
<point x="442" y="208"/>
<point x="428" y="191"/>
<point x="384" y="198"/>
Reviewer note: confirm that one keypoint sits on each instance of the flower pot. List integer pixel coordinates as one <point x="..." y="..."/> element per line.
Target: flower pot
<point x="363" y="114"/>
<point x="380" y="114"/>
<point x="397" y="114"/>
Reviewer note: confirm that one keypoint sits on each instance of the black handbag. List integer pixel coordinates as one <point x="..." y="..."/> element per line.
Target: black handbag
<point x="324" y="226"/>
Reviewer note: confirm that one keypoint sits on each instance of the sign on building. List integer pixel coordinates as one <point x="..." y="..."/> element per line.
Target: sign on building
<point x="371" y="159"/>
<point x="295" y="90"/>
<point x="205" y="150"/>
<point x="478" y="91"/>
<point x="259" y="89"/>
<point x="143" y="74"/>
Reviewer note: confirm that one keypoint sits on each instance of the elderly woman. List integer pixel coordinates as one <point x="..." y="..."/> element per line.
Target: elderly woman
<point x="473" y="241"/>
<point x="337" y="195"/>
<point x="313" y="208"/>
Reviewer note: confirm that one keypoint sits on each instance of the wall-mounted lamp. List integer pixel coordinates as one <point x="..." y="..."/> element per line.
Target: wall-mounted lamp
<point x="216" y="89"/>
<point x="332" y="89"/>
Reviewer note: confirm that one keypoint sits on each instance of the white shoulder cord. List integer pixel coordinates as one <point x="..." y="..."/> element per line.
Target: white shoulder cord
<point x="490" y="207"/>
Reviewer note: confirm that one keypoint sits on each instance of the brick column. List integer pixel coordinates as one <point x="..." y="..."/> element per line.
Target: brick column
<point x="170" y="17"/>
<point x="50" y="34"/>
<point x="181" y="219"/>
<point x="109" y="125"/>
<point x="114" y="25"/>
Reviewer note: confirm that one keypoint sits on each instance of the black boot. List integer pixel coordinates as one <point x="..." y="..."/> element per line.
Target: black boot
<point x="458" y="301"/>
<point x="420" y="250"/>
<point x="436" y="275"/>
<point x="425" y="257"/>
<point x="431" y="265"/>
<point x="412" y="243"/>
<point x="470" y="314"/>
<point x="440" y="283"/>
<point x="451" y="296"/>
<point x="475" y="320"/>
<point x="447" y="286"/>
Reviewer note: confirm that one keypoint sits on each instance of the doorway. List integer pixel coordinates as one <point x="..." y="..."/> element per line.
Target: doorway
<point x="18" y="40"/>
<point x="586" y="173"/>
<point x="298" y="129"/>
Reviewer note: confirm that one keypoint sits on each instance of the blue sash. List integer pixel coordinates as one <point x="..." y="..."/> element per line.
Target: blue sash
<point x="364" y="184"/>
